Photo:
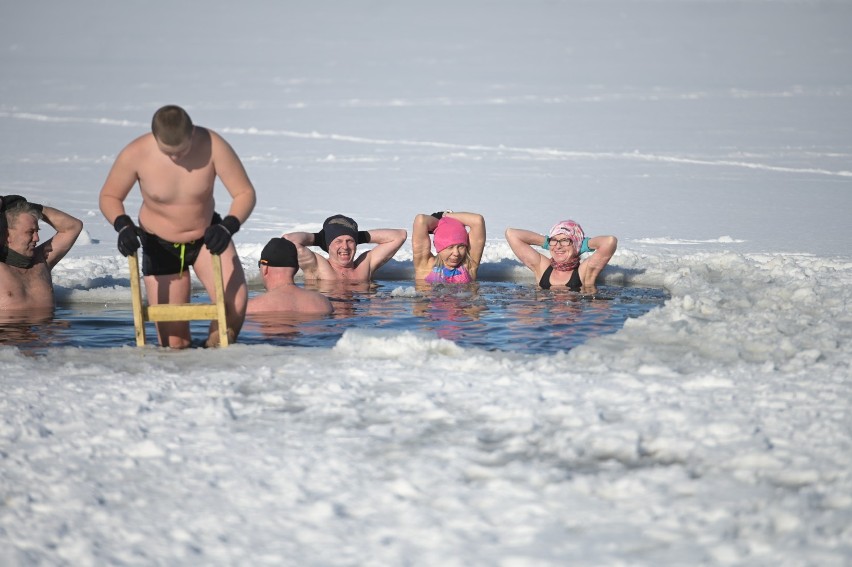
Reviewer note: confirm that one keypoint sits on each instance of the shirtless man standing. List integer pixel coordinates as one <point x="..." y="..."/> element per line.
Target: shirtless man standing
<point x="340" y="237"/>
<point x="25" y="283"/>
<point x="176" y="166"/>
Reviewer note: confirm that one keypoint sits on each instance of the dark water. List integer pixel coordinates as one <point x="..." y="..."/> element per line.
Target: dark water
<point x="502" y="316"/>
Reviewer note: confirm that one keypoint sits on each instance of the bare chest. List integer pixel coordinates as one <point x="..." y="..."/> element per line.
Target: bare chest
<point x="25" y="288"/>
<point x="359" y="273"/>
<point x="168" y="183"/>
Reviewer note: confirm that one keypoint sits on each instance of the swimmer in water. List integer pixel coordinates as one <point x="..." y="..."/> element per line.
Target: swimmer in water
<point x="26" y="285"/>
<point x="340" y="238"/>
<point x="278" y="266"/>
<point x="458" y="252"/>
<point x="566" y="242"/>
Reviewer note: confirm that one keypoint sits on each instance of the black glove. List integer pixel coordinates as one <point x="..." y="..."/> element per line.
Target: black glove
<point x="319" y="240"/>
<point x="128" y="235"/>
<point x="363" y="237"/>
<point x="217" y="236"/>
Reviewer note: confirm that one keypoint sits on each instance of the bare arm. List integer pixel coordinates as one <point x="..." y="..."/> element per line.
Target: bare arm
<point x="476" y="223"/>
<point x="121" y="179"/>
<point x="230" y="170"/>
<point x="308" y="259"/>
<point x="421" y="244"/>
<point x="604" y="247"/>
<point x="301" y="238"/>
<point x="389" y="240"/>
<point x="521" y="242"/>
<point x="67" y="230"/>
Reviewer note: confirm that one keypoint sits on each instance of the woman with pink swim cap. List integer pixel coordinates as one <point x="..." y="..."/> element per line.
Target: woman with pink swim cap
<point x="458" y="253"/>
<point x="566" y="242"/>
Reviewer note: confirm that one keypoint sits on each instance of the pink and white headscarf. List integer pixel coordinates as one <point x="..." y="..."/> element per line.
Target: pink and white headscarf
<point x="573" y="232"/>
<point x="570" y="229"/>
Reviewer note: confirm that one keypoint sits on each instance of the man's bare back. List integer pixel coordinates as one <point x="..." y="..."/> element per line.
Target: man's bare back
<point x="278" y="266"/>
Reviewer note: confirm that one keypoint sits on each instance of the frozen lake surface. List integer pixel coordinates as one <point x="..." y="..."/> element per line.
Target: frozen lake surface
<point x="712" y="137"/>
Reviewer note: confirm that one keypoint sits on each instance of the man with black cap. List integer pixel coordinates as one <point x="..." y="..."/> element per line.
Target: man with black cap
<point x="278" y="265"/>
<point x="25" y="265"/>
<point x="340" y="237"/>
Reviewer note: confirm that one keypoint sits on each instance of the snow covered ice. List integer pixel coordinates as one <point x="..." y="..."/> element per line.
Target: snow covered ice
<point x="712" y="137"/>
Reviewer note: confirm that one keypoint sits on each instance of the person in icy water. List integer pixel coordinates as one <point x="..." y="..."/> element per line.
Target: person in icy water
<point x="340" y="238"/>
<point x="25" y="265"/>
<point x="564" y="267"/>
<point x="176" y="165"/>
<point x="458" y="252"/>
<point x="278" y="265"/>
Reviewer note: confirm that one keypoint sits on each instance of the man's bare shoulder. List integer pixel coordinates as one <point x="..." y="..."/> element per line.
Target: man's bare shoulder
<point x="362" y="269"/>
<point x="216" y="140"/>
<point x="212" y="134"/>
<point x="143" y="142"/>
<point x="138" y="149"/>
<point x="259" y="304"/>
<point x="320" y="269"/>
<point x="222" y="151"/>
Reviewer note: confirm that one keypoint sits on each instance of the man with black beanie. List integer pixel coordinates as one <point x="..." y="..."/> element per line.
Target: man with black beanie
<point x="340" y="237"/>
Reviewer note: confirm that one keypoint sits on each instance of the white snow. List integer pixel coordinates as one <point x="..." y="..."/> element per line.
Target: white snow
<point x="712" y="137"/>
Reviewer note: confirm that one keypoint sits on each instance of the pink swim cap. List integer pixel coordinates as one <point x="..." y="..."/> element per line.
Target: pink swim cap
<point x="570" y="229"/>
<point x="448" y="232"/>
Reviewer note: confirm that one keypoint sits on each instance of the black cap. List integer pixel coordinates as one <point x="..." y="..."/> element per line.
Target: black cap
<point x="279" y="253"/>
<point x="338" y="225"/>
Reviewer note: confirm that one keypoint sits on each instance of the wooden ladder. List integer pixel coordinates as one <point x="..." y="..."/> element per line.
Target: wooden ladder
<point x="178" y="311"/>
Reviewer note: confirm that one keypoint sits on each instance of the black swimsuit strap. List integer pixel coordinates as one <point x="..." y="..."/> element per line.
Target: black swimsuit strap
<point x="544" y="282"/>
<point x="574" y="282"/>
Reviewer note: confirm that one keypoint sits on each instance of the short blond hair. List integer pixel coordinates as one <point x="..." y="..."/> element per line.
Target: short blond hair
<point x="171" y="125"/>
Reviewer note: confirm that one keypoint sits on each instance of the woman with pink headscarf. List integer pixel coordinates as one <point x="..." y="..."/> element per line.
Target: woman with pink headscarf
<point x="566" y="243"/>
<point x="458" y="252"/>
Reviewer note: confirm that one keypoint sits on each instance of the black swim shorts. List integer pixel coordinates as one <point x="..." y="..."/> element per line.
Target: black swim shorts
<point x="163" y="258"/>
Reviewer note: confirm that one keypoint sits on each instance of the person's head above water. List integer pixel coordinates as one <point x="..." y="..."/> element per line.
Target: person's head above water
<point x="566" y="229"/>
<point x="447" y="246"/>
<point x="339" y="225"/>
<point x="450" y="232"/>
<point x="279" y="253"/>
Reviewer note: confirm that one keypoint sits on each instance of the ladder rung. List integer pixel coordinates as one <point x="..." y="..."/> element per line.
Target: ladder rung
<point x="179" y="311"/>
